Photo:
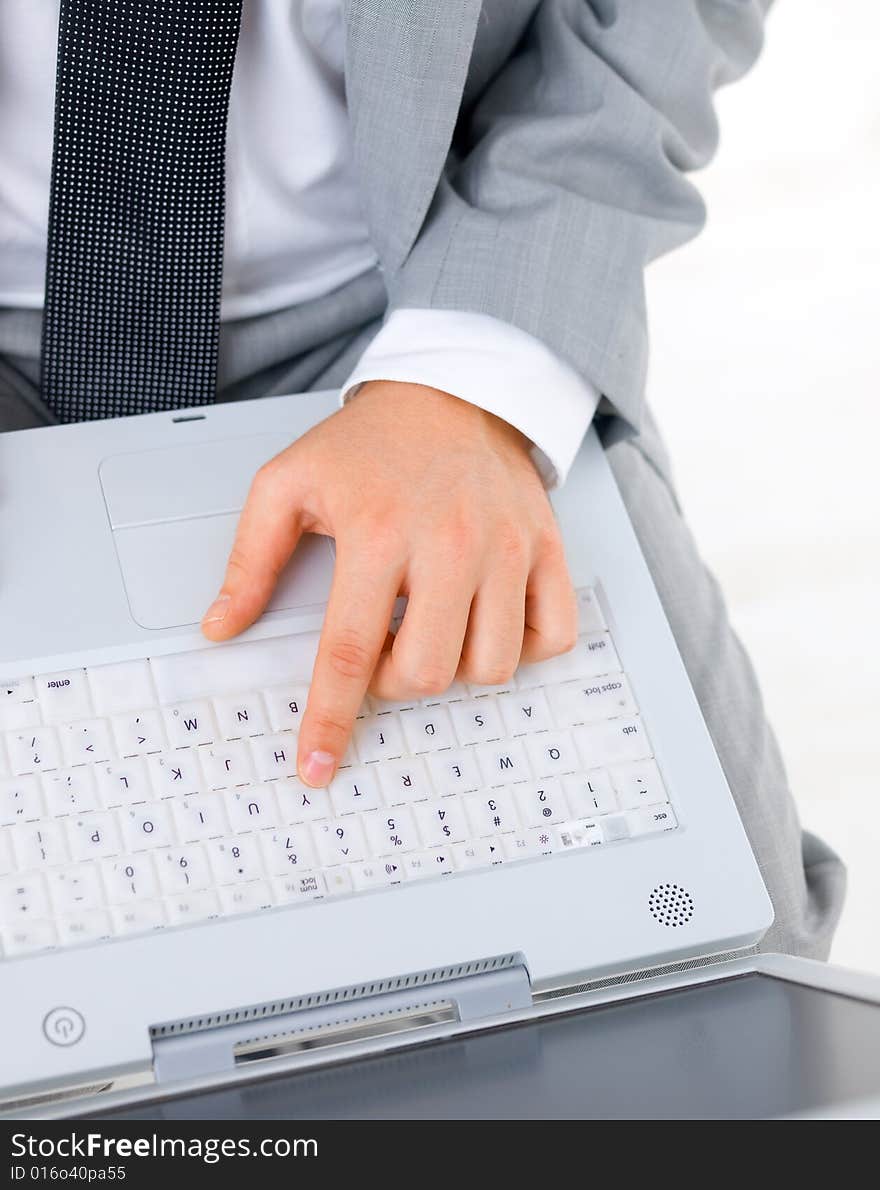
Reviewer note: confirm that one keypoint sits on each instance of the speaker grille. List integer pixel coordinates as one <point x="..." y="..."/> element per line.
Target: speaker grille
<point x="671" y="905"/>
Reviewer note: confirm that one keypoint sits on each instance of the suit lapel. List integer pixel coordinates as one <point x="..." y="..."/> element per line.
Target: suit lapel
<point x="405" y="69"/>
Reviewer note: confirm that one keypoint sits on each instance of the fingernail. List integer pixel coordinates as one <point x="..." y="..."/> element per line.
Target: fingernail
<point x="318" y="768"/>
<point x="217" y="611"/>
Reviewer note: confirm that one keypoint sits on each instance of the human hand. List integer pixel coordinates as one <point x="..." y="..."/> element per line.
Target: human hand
<point x="426" y="496"/>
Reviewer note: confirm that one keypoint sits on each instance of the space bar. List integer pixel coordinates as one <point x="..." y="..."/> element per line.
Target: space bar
<point x="229" y="669"/>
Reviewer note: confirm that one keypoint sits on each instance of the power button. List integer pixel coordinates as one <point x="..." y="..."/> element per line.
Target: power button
<point x="63" y="1026"/>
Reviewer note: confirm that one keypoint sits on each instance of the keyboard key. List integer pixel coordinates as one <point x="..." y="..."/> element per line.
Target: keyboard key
<point x="192" y="907"/>
<point x="182" y="870"/>
<point x="89" y="926"/>
<point x="33" y="751"/>
<point x="590" y="794"/>
<point x="138" y="918"/>
<point x="236" y="859"/>
<point x="340" y="840"/>
<point x="228" y="669"/>
<point x="92" y="836"/>
<point x="86" y="742"/>
<point x="21" y="800"/>
<point x="226" y="764"/>
<point x="175" y="773"/>
<point x="552" y="753"/>
<point x="251" y="808"/>
<point x="242" y="716"/>
<point x="619" y="741"/>
<point x="307" y="886"/>
<point x="136" y="735"/>
<point x="70" y="791"/>
<point x="376" y="873"/>
<point x="125" y="686"/>
<point x="23" y="898"/>
<point x="441" y="822"/>
<point x="355" y="789"/>
<point x="638" y="784"/>
<point x="590" y="617"/>
<point x="64" y="697"/>
<point x="439" y="861"/>
<point x="378" y="737"/>
<point x="476" y="720"/>
<point x="199" y="816"/>
<point x="480" y="853"/>
<point x="403" y="781"/>
<point x="455" y="771"/>
<point x="146" y="826"/>
<point x="492" y="812"/>
<point x="190" y="724"/>
<point x="503" y="762"/>
<point x="650" y="819"/>
<point x="596" y="654"/>
<point x="525" y="712"/>
<point x="286" y="706"/>
<point x="392" y="832"/>
<point x="28" y="937"/>
<point x="586" y="832"/>
<point x="300" y="803"/>
<point x="615" y="827"/>
<point x="246" y="898"/>
<point x="274" y="756"/>
<point x="18" y="705"/>
<point x="591" y="701"/>
<point x="541" y="802"/>
<point x="39" y="844"/>
<point x="428" y="729"/>
<point x="129" y="878"/>
<point x="338" y="881"/>
<point x="526" y="844"/>
<point x="123" y="782"/>
<point x="288" y="851"/>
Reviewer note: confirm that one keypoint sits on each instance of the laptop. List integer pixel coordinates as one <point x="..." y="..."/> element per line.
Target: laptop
<point x="178" y="913"/>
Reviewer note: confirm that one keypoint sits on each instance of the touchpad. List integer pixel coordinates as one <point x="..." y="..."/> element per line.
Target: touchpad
<point x="173" y="512"/>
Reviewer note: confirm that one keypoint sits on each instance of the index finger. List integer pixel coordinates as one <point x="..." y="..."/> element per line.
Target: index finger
<point x="362" y="599"/>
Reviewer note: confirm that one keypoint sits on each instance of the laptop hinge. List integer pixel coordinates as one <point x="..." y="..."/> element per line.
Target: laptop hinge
<point x="222" y="1048"/>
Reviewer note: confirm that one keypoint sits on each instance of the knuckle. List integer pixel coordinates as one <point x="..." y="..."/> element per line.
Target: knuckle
<point x="241" y="563"/>
<point x="387" y="545"/>
<point x="328" y="728"/>
<point x="349" y="656"/>
<point x="267" y="475"/>
<point x="550" y="542"/>
<point x="458" y="534"/>
<point x="426" y="679"/>
<point x="512" y="544"/>
<point x="491" y="673"/>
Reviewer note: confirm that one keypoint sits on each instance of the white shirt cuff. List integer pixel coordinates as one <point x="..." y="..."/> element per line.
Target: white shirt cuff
<point x="493" y="365"/>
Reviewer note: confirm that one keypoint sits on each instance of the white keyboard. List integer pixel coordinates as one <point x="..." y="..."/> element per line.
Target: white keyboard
<point x="162" y="792"/>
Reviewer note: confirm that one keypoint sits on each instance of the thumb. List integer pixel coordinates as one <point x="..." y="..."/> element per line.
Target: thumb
<point x="269" y="529"/>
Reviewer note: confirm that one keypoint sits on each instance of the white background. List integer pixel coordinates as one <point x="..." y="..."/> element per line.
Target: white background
<point x="766" y="345"/>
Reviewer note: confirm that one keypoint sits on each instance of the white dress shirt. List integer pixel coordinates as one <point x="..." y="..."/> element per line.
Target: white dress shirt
<point x="294" y="228"/>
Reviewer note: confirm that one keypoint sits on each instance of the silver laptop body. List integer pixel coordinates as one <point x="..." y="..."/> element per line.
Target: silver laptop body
<point x="113" y="538"/>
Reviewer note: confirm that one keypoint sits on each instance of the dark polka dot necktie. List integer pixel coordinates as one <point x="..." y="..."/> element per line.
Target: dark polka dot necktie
<point x="135" y="245"/>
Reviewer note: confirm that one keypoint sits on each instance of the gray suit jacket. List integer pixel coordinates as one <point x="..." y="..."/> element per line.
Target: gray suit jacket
<point x="527" y="158"/>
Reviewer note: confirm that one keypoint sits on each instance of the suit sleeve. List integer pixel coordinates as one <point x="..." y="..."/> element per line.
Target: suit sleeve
<point x="569" y="175"/>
